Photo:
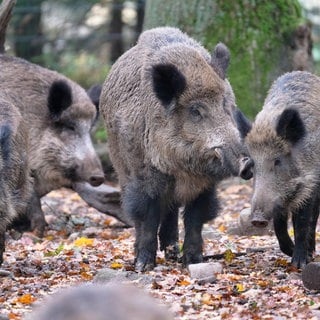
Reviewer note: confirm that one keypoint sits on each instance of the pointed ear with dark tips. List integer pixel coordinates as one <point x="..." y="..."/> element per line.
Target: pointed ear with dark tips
<point x="168" y="82"/>
<point x="94" y="93"/>
<point x="243" y="124"/>
<point x="290" y="126"/>
<point x="59" y="98"/>
<point x="220" y="59"/>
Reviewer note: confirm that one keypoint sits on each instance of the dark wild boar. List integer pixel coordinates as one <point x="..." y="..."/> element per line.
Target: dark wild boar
<point x="59" y="114"/>
<point x="16" y="184"/>
<point x="170" y="116"/>
<point x="284" y="144"/>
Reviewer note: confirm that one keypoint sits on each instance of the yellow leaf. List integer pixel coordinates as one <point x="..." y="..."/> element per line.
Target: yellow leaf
<point x="116" y="265"/>
<point x="26" y="299"/>
<point x="183" y="282"/>
<point x="229" y="256"/>
<point x="291" y="232"/>
<point x="222" y="228"/>
<point x="83" y="242"/>
<point x="281" y="262"/>
<point x="239" y="287"/>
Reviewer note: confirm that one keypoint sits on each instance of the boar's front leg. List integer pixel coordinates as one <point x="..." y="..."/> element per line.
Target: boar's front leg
<point x="302" y="232"/>
<point x="145" y="213"/>
<point x="312" y="228"/>
<point x="196" y="213"/>
<point x="280" y="223"/>
<point x="168" y="234"/>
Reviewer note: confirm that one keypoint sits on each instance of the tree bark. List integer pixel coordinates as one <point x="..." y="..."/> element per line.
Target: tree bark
<point x="265" y="39"/>
<point x="5" y="16"/>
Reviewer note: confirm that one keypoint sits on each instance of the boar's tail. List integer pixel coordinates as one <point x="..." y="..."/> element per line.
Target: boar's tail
<point x="5" y="137"/>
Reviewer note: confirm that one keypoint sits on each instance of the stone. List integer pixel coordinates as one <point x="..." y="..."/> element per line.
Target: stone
<point x="205" y="272"/>
<point x="311" y="276"/>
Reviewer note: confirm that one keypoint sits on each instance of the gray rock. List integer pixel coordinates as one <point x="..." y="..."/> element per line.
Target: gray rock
<point x="205" y="272"/>
<point x="311" y="276"/>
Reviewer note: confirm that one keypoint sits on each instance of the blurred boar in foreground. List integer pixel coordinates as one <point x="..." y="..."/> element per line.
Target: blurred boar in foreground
<point x="172" y="132"/>
<point x="284" y="144"/>
<point x="101" y="302"/>
<point x="16" y="185"/>
<point x="60" y="115"/>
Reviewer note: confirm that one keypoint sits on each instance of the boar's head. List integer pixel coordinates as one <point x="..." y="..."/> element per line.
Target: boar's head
<point x="275" y="148"/>
<point x="66" y="154"/>
<point x="200" y="131"/>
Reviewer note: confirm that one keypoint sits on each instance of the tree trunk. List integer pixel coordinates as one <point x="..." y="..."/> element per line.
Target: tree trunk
<point x="28" y="36"/>
<point x="264" y="38"/>
<point x="5" y="16"/>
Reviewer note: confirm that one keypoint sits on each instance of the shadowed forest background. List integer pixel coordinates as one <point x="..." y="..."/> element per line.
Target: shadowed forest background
<point x="82" y="39"/>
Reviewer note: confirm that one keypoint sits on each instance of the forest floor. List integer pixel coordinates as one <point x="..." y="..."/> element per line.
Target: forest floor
<point x="80" y="243"/>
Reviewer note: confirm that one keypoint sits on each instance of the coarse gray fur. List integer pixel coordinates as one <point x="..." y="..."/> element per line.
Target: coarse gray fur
<point x="61" y="150"/>
<point x="16" y="184"/>
<point x="284" y="144"/>
<point x="172" y="150"/>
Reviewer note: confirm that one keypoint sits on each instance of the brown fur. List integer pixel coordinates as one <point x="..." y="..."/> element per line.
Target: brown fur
<point x="58" y="156"/>
<point x="16" y="185"/>
<point x="165" y="155"/>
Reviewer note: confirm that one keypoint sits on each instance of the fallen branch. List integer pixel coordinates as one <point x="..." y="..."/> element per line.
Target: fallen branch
<point x="5" y="16"/>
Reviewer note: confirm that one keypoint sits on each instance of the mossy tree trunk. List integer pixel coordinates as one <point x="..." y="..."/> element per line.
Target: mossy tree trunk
<point x="262" y="36"/>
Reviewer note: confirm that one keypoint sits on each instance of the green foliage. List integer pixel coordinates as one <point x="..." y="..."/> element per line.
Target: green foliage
<point x="256" y="32"/>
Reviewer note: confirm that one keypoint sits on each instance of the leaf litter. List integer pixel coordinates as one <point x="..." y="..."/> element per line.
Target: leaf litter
<point x="256" y="282"/>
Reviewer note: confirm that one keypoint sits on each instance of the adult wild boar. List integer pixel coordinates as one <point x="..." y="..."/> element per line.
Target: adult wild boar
<point x="59" y="114"/>
<point x="172" y="137"/>
<point x="16" y="184"/>
<point x="284" y="144"/>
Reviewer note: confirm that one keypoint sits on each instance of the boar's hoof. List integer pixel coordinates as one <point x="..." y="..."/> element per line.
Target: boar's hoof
<point x="96" y="180"/>
<point x="145" y="261"/>
<point x="189" y="258"/>
<point x="300" y="260"/>
<point x="171" y="252"/>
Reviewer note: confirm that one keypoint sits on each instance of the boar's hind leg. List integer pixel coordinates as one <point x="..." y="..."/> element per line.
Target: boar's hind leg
<point x="302" y="233"/>
<point x="168" y="233"/>
<point x="2" y="244"/>
<point x="312" y="229"/>
<point x="280" y="222"/>
<point x="199" y="211"/>
<point x="145" y="213"/>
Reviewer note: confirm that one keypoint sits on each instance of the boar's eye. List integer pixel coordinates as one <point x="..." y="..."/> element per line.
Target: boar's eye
<point x="65" y="125"/>
<point x="195" y="113"/>
<point x="277" y="162"/>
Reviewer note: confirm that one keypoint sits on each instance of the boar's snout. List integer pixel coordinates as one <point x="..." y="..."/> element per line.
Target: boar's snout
<point x="258" y="220"/>
<point x="96" y="180"/>
<point x="246" y="166"/>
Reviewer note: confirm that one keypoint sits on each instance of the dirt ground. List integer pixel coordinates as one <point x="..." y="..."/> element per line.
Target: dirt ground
<point x="256" y="282"/>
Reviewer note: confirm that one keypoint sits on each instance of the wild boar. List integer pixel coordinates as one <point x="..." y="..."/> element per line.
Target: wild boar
<point x="16" y="184"/>
<point x="100" y="302"/>
<point x="284" y="145"/>
<point x="170" y="115"/>
<point x="59" y="114"/>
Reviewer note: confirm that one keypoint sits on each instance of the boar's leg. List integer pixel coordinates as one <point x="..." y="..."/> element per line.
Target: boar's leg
<point x="145" y="213"/>
<point x="168" y="234"/>
<point x="301" y="223"/>
<point x="280" y="222"/>
<point x="2" y="244"/>
<point x="196" y="213"/>
<point x="312" y="229"/>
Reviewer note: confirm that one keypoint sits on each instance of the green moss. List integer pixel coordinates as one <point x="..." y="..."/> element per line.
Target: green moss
<point x="254" y="30"/>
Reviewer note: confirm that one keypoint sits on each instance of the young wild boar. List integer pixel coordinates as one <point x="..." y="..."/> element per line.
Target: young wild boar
<point x="15" y="182"/>
<point x="59" y="114"/>
<point x="170" y="116"/>
<point x="284" y="144"/>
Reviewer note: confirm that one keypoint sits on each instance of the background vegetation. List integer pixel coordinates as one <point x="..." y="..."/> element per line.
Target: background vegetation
<point x="83" y="38"/>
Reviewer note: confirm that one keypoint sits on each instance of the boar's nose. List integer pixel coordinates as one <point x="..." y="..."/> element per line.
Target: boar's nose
<point x="96" y="180"/>
<point x="259" y="221"/>
<point x="246" y="167"/>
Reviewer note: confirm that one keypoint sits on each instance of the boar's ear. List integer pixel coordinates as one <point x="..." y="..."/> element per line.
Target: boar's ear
<point x="94" y="93"/>
<point x="168" y="82"/>
<point x="243" y="124"/>
<point x="59" y="98"/>
<point x="220" y="59"/>
<point x="290" y="126"/>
